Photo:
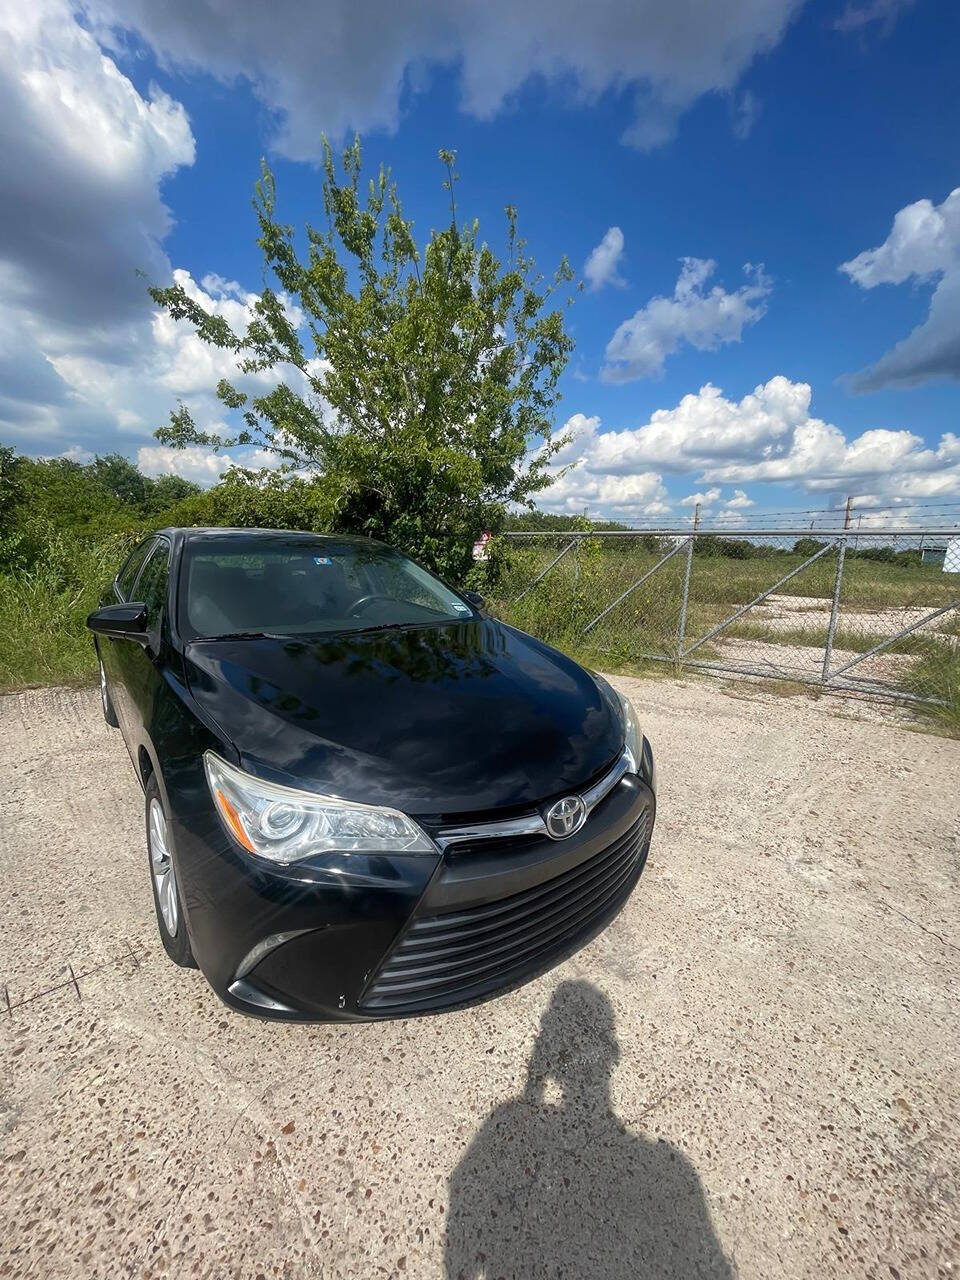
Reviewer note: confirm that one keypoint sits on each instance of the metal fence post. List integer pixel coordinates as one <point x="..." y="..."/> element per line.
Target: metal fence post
<point x="682" y="629"/>
<point x="832" y="628"/>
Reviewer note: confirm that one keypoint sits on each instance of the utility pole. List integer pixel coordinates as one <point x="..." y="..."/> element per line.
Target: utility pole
<point x="696" y="517"/>
<point x="846" y="514"/>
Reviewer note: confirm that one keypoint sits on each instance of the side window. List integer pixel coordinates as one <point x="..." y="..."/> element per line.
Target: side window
<point x="127" y="575"/>
<point x="151" y="585"/>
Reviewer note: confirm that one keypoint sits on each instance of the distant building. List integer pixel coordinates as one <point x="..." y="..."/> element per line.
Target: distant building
<point x="933" y="553"/>
<point x="951" y="559"/>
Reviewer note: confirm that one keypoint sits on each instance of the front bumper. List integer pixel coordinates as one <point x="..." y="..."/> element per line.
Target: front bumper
<point x="364" y="937"/>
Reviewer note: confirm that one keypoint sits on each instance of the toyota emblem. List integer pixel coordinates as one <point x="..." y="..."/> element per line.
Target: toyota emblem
<point x="565" y="817"/>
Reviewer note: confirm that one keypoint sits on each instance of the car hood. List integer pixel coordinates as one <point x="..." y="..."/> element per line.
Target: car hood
<point x="459" y="719"/>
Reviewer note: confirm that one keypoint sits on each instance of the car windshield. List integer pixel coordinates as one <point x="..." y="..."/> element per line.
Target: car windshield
<point x="288" y="585"/>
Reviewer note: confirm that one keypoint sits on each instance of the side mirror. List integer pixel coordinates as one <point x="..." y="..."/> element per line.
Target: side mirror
<point x="120" y="621"/>
<point x="475" y="598"/>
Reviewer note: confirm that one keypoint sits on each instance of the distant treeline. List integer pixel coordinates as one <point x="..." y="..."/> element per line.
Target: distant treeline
<point x="708" y="544"/>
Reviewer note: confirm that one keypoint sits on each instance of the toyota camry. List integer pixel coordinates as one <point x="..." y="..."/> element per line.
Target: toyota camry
<point x="364" y="796"/>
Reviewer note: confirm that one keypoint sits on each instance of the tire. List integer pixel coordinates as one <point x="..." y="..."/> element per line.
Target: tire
<point x="108" y="712"/>
<point x="161" y="865"/>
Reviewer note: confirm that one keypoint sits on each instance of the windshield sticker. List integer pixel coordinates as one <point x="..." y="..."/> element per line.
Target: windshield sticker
<point x="322" y="560"/>
<point x="462" y="608"/>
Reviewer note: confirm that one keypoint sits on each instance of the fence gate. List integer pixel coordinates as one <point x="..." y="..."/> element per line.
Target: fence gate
<point x="838" y="609"/>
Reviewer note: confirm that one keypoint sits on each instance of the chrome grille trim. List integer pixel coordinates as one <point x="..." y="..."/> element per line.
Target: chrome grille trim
<point x="529" y="825"/>
<point x="533" y="824"/>
<point x="593" y="795"/>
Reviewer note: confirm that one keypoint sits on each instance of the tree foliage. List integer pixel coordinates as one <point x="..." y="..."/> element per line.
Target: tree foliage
<point x="415" y="388"/>
<point x="41" y="498"/>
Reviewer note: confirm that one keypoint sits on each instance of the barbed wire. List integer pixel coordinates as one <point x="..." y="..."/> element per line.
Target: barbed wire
<point x="944" y="513"/>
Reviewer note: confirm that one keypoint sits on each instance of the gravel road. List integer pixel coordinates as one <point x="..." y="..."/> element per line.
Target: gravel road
<point x="754" y="1071"/>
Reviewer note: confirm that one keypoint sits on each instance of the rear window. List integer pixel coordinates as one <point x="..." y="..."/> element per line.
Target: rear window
<point x="298" y="586"/>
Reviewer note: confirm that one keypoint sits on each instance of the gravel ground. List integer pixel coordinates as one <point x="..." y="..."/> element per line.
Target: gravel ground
<point x="812" y="613"/>
<point x="752" y="1072"/>
<point x="806" y="661"/>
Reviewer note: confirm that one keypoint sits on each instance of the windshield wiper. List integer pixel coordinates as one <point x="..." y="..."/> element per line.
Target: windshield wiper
<point x="242" y="635"/>
<point x="385" y="626"/>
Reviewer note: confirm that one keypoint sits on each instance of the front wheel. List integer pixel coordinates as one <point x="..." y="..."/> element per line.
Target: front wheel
<point x="163" y="879"/>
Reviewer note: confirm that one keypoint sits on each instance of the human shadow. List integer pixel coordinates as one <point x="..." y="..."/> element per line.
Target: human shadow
<point x="563" y="1189"/>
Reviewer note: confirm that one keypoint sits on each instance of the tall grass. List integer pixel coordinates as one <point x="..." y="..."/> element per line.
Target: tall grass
<point x="937" y="676"/>
<point x="43" y="608"/>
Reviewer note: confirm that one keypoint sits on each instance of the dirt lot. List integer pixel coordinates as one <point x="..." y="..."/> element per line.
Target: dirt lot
<point x="754" y="1071"/>
<point x="812" y="613"/>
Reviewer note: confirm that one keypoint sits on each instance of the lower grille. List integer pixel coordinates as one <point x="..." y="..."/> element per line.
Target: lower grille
<point x="452" y="957"/>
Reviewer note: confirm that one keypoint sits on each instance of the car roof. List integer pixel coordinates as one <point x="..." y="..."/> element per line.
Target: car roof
<point x="194" y="534"/>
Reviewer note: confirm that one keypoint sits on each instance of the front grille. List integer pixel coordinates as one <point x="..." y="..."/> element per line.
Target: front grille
<point x="455" y="956"/>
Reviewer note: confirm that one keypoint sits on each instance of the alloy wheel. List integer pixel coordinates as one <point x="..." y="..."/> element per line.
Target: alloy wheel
<point x="161" y="866"/>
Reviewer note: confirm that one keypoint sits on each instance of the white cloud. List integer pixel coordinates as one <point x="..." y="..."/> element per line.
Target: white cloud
<point x="75" y="454"/>
<point x="818" y="456"/>
<point x="322" y="69"/>
<point x="703" y="429"/>
<point x="586" y="484"/>
<point x="86" y="361"/>
<point x="602" y="266"/>
<point x="769" y="436"/>
<point x="739" y="500"/>
<point x="883" y="13"/>
<point x="923" y="245"/>
<point x="729" y="519"/>
<point x="80" y="214"/>
<point x="184" y="363"/>
<point x="611" y="497"/>
<point x="704" y="499"/>
<point x="704" y="320"/>
<point x="199" y="464"/>
<point x="746" y="112"/>
<point x="170" y="363"/>
<point x="84" y="154"/>
<point x="192" y="463"/>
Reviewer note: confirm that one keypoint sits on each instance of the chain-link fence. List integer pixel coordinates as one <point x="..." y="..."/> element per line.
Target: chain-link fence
<point x="875" y="612"/>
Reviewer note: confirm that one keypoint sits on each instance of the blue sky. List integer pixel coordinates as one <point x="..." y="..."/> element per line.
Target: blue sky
<point x="773" y="133"/>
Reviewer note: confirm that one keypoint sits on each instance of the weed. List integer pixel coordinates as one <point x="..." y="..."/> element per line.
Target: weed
<point x="43" y="639"/>
<point x="937" y="675"/>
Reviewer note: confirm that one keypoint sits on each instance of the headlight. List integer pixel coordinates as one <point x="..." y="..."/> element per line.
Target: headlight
<point x="633" y="738"/>
<point x="285" y="825"/>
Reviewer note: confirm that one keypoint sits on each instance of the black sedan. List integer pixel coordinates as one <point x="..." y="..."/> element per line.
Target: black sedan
<point x="365" y="798"/>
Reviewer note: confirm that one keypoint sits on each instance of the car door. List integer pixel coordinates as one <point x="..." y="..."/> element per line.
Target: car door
<point x="111" y="651"/>
<point x="139" y="664"/>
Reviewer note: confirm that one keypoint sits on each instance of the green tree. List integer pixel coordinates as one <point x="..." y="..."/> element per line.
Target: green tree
<point x="120" y="477"/>
<point x="71" y="496"/>
<point x="807" y="546"/>
<point x="14" y="551"/>
<point x="417" y="387"/>
<point x="11" y="484"/>
<point x="163" y="492"/>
